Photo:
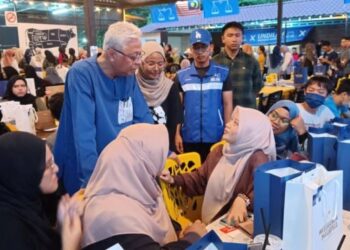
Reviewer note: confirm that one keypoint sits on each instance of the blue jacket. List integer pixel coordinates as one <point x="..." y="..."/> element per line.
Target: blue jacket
<point x="92" y="116"/>
<point x="203" y="104"/>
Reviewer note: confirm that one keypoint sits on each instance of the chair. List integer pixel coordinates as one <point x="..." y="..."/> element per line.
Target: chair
<point x="299" y="95"/>
<point x="180" y="207"/>
<point x="45" y="120"/>
<point x="3" y="87"/>
<point x="265" y="102"/>
<point x="53" y="89"/>
<point x="217" y="144"/>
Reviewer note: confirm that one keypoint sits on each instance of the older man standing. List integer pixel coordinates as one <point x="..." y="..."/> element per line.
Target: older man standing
<point x="101" y="98"/>
<point x="244" y="69"/>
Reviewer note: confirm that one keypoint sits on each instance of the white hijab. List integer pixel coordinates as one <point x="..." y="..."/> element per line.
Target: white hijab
<point x="122" y="196"/>
<point x="254" y="133"/>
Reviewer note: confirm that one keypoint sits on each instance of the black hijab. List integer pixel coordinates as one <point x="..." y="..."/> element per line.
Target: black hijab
<point x="275" y="57"/>
<point x="27" y="99"/>
<point x="22" y="167"/>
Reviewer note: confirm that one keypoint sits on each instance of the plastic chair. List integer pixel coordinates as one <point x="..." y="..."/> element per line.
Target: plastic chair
<point x="217" y="144"/>
<point x="265" y="102"/>
<point x="181" y="208"/>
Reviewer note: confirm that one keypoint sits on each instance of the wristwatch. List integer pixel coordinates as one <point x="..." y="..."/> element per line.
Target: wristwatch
<point x="245" y="198"/>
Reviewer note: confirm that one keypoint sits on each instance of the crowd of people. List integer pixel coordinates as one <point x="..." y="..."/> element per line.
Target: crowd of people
<point x="132" y="106"/>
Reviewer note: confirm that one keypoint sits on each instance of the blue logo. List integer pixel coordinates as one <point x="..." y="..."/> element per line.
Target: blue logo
<point x="217" y="8"/>
<point x="164" y="13"/>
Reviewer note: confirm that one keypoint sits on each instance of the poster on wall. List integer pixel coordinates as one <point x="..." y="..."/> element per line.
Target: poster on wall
<point x="47" y="36"/>
<point x="11" y="38"/>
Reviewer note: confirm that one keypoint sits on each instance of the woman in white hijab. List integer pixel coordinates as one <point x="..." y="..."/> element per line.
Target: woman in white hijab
<point x="123" y="202"/>
<point x="226" y="177"/>
<point x="161" y="95"/>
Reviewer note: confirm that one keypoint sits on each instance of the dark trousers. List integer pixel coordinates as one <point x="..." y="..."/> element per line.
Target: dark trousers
<point x="201" y="148"/>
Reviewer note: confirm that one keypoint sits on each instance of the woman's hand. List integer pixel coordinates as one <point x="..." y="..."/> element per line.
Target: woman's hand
<point x="71" y="228"/>
<point x="238" y="212"/>
<point x="166" y="177"/>
<point x="298" y="125"/>
<point x="197" y="227"/>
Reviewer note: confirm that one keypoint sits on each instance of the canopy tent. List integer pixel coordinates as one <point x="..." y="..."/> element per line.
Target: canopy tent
<point x="291" y="9"/>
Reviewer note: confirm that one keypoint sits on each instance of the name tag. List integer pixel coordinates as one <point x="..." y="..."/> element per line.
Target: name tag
<point x="125" y="111"/>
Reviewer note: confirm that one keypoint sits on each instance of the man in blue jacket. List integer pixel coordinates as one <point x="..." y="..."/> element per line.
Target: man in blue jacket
<point x="101" y="98"/>
<point x="206" y="94"/>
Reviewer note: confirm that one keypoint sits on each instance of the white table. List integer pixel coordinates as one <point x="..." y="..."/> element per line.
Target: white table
<point x="240" y="237"/>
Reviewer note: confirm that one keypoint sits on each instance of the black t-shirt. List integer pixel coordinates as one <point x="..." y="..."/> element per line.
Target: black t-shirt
<point x="170" y="113"/>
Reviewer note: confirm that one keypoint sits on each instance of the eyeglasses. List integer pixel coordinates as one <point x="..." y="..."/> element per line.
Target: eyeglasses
<point x="133" y="58"/>
<point x="274" y="116"/>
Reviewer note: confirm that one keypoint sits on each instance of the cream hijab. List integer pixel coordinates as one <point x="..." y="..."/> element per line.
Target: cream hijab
<point x="154" y="91"/>
<point x="254" y="133"/>
<point x="122" y="196"/>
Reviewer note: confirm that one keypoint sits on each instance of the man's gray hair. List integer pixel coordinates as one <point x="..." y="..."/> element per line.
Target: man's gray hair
<point x="119" y="34"/>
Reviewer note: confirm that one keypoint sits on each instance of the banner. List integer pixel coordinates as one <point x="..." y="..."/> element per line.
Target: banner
<point x="269" y="36"/>
<point x="47" y="36"/>
<point x="164" y="13"/>
<point x="217" y="8"/>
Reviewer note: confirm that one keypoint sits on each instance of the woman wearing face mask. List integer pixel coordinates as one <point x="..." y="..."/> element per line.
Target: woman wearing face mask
<point x="162" y="96"/>
<point x="312" y="110"/>
<point x="286" y="125"/>
<point x="226" y="177"/>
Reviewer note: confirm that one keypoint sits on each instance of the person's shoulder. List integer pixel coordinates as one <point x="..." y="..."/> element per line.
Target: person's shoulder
<point x="11" y="222"/>
<point x="258" y="157"/>
<point x="218" y="66"/>
<point x="84" y="65"/>
<point x="325" y="111"/>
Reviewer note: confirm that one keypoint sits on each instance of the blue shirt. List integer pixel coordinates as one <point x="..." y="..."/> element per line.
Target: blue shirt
<point x="336" y="110"/>
<point x="95" y="109"/>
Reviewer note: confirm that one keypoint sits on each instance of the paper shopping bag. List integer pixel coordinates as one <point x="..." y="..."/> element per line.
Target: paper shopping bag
<point x="300" y="73"/>
<point x="322" y="146"/>
<point x="343" y="163"/>
<point x="269" y="187"/>
<point x="313" y="211"/>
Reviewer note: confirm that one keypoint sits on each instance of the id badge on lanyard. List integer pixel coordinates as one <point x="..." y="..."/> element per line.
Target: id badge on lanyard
<point x="125" y="111"/>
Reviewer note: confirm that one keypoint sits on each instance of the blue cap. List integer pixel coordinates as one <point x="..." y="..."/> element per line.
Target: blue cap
<point x="200" y="36"/>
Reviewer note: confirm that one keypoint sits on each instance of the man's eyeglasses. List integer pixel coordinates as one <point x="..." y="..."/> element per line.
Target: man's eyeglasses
<point x="274" y="116"/>
<point x="133" y="58"/>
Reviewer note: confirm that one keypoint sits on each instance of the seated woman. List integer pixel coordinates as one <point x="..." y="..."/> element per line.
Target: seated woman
<point x="27" y="171"/>
<point x="162" y="96"/>
<point x="123" y="202"/>
<point x="17" y="90"/>
<point x="226" y="177"/>
<point x="286" y="125"/>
